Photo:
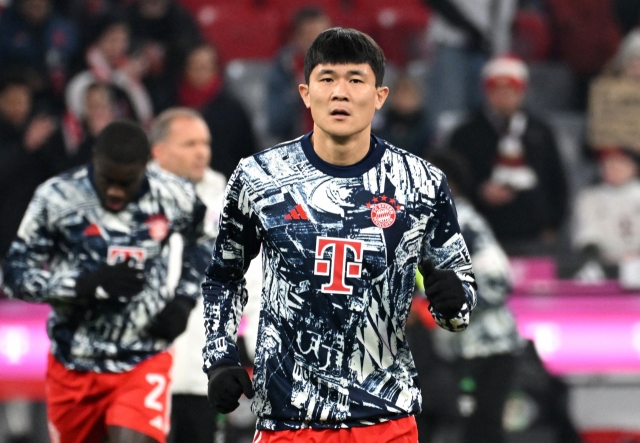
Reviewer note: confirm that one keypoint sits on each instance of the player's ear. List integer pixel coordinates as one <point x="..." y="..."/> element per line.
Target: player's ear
<point x="382" y="93"/>
<point x="304" y="93"/>
<point x="156" y="151"/>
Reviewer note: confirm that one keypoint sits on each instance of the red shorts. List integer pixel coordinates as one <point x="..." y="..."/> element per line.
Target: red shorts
<point x="81" y="405"/>
<point x="403" y="430"/>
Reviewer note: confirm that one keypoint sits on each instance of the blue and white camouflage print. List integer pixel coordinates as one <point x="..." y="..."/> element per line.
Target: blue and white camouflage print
<point x="340" y="251"/>
<point x="66" y="232"/>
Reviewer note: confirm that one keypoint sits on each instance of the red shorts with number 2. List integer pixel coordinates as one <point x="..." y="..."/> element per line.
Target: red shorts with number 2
<point x="81" y="405"/>
<point x="403" y="430"/>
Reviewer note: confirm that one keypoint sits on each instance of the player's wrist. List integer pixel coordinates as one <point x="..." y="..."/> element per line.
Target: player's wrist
<point x="86" y="287"/>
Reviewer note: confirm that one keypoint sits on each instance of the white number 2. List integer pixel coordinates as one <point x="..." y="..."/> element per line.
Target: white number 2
<point x="151" y="400"/>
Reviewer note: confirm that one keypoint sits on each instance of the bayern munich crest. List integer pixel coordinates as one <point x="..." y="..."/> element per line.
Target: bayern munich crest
<point x="383" y="211"/>
<point x="158" y="226"/>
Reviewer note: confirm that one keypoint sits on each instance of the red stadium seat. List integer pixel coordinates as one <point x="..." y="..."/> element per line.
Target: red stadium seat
<point x="399" y="31"/>
<point x="381" y="4"/>
<point x="241" y="32"/>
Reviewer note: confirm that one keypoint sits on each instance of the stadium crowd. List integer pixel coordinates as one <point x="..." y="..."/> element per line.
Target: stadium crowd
<point x="494" y="84"/>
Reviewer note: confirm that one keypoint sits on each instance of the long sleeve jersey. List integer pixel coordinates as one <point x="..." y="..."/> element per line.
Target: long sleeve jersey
<point x="340" y="250"/>
<point x="66" y="232"/>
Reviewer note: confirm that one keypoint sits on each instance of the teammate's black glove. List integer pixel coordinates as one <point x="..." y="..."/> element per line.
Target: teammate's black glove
<point x="226" y="384"/>
<point x="117" y="282"/>
<point x="443" y="288"/>
<point x="172" y="320"/>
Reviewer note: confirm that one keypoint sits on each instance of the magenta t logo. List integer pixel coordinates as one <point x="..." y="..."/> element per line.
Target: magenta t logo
<point x="337" y="267"/>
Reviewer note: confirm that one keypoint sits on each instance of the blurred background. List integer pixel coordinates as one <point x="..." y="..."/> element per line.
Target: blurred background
<point x="540" y="98"/>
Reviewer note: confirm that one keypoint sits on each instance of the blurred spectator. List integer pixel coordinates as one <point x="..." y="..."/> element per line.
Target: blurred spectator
<point x="31" y="149"/>
<point x="464" y="35"/>
<point x="518" y="178"/>
<point x="484" y="356"/>
<point x="288" y="117"/>
<point x="585" y="36"/>
<point x="162" y="33"/>
<point x="404" y="124"/>
<point x="108" y="62"/>
<point x="33" y="36"/>
<point x="607" y="215"/>
<point x="81" y="131"/>
<point x="202" y="87"/>
<point x="626" y="62"/>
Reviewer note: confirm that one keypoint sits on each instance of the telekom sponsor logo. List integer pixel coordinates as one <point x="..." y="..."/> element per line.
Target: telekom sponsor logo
<point x="338" y="267"/>
<point x="117" y="254"/>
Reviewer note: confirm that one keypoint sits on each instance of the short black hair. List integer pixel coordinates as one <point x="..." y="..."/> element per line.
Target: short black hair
<point x="339" y="46"/>
<point x="123" y="142"/>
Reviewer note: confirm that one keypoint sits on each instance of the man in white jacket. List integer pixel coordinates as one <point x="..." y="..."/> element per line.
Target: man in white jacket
<point x="180" y="144"/>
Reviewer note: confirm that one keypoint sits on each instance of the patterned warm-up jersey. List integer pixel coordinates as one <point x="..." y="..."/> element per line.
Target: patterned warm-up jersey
<point x="493" y="329"/>
<point x="340" y="251"/>
<point x="66" y="232"/>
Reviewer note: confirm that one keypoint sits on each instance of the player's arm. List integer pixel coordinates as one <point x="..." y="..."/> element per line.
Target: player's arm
<point x="225" y="296"/>
<point x="28" y="274"/>
<point x="172" y="321"/>
<point x="446" y="265"/>
<point x="25" y="271"/>
<point x="224" y="292"/>
<point x="195" y="252"/>
<point x="490" y="264"/>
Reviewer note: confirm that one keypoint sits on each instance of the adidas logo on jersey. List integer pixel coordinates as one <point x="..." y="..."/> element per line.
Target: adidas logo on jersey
<point x="93" y="230"/>
<point x="296" y="213"/>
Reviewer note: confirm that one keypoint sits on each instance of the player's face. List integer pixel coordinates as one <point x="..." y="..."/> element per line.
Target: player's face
<point x="186" y="151"/>
<point x="116" y="184"/>
<point x="343" y="98"/>
<point x="504" y="98"/>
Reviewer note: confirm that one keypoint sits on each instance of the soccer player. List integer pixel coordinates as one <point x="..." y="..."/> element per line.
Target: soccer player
<point x="484" y="357"/>
<point x="181" y="144"/>
<point x="91" y="244"/>
<point x="344" y="220"/>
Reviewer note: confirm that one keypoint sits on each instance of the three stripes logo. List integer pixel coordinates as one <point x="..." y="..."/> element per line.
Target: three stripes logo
<point x="296" y="213"/>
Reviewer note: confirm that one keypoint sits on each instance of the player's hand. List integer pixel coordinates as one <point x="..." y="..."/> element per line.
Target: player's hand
<point x="443" y="288"/>
<point x="226" y="385"/>
<point x="172" y="320"/>
<point x="112" y="282"/>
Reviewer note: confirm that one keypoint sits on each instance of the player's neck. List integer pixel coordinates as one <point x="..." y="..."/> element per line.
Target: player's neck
<point x="341" y="151"/>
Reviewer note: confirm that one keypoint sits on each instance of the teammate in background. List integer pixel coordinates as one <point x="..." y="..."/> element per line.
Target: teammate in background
<point x="344" y="220"/>
<point x="484" y="356"/>
<point x="181" y="144"/>
<point x="91" y="244"/>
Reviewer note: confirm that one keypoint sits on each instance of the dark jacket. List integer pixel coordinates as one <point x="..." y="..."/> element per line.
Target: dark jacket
<point x="177" y="32"/>
<point x="21" y="172"/>
<point x="531" y="211"/>
<point x="406" y="131"/>
<point x="232" y="135"/>
<point x="47" y="49"/>
<point x="285" y="109"/>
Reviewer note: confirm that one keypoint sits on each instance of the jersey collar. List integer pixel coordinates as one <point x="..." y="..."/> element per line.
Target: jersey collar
<point x="377" y="149"/>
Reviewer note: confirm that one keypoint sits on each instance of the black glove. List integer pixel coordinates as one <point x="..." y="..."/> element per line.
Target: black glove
<point x="443" y="288"/>
<point x="117" y="282"/>
<point x="172" y="320"/>
<point x="226" y="384"/>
